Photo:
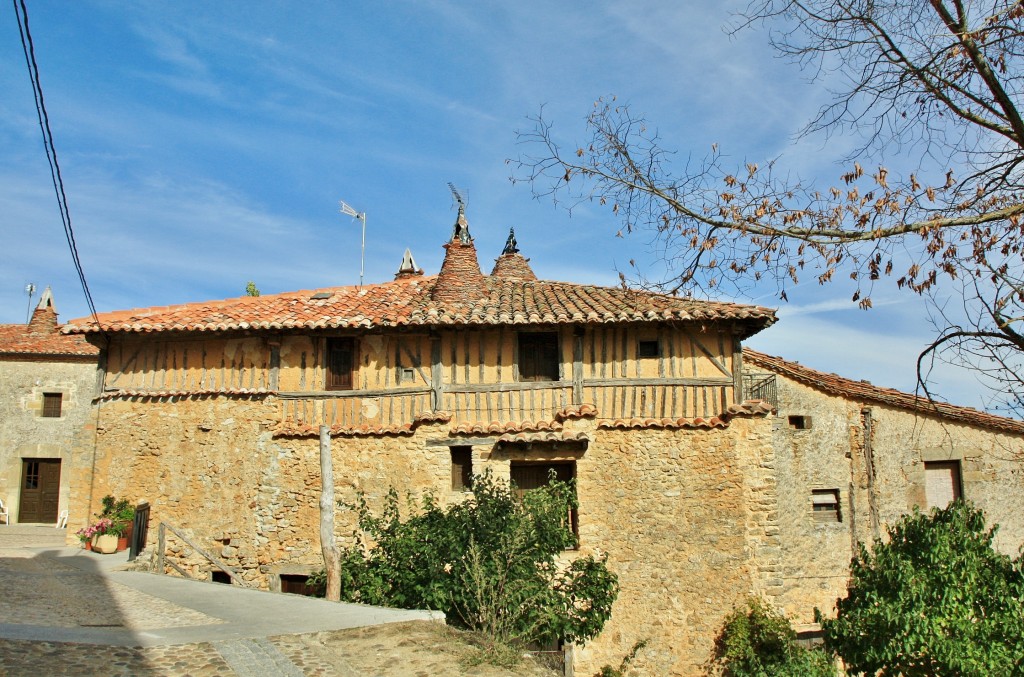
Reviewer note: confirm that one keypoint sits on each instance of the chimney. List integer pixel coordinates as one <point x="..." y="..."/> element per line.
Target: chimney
<point x="511" y="265"/>
<point x="460" y="279"/>
<point x="408" y="267"/>
<point x="44" y="317"/>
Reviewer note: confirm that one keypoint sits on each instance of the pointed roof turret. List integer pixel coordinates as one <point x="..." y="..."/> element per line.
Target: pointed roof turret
<point x="460" y="279"/>
<point x="511" y="265"/>
<point x="408" y="267"/>
<point x="44" y="317"/>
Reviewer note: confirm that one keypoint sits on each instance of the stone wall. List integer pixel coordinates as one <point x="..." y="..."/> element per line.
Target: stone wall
<point x="830" y="454"/>
<point x="687" y="517"/>
<point x="25" y="433"/>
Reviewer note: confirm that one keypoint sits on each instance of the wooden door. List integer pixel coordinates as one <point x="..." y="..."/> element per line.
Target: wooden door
<point x="40" y="490"/>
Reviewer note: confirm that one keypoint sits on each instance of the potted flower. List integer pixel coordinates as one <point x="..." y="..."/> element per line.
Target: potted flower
<point x="122" y="512"/>
<point x="107" y="532"/>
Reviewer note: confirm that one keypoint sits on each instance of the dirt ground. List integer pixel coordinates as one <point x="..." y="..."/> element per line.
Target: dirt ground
<point x="414" y="649"/>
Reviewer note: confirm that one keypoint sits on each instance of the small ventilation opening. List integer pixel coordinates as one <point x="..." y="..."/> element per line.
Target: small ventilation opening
<point x="297" y="584"/>
<point x="220" y="577"/>
<point x="800" y="422"/>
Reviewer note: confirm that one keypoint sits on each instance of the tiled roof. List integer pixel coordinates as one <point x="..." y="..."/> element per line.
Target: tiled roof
<point x="865" y="392"/>
<point x="42" y="337"/>
<point x="750" y="408"/>
<point x="408" y="301"/>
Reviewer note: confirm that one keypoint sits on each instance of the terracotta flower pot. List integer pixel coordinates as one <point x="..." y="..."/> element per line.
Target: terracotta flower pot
<point x="106" y="544"/>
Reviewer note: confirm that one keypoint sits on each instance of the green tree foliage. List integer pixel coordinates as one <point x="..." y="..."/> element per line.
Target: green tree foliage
<point x="488" y="562"/>
<point x="936" y="599"/>
<point x="251" y="289"/>
<point x="758" y="642"/>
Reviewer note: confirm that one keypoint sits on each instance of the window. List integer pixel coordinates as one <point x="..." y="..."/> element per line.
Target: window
<point x="941" y="483"/>
<point x="340" y="363"/>
<point x="51" y="405"/>
<point x="462" y="468"/>
<point x="527" y="475"/>
<point x="648" y="349"/>
<point x="825" y="504"/>
<point x="408" y="374"/>
<point x="538" y="356"/>
<point x="297" y="584"/>
<point x="800" y="422"/>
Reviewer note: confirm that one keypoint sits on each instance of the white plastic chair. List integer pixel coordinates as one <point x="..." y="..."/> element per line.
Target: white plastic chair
<point x="62" y="520"/>
<point x="5" y="513"/>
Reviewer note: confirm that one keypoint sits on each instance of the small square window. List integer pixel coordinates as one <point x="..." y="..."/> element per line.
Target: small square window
<point x="462" y="468"/>
<point x="800" y="422"/>
<point x="51" y="405"/>
<point x="825" y="505"/>
<point x="648" y="349"/>
<point x="408" y="374"/>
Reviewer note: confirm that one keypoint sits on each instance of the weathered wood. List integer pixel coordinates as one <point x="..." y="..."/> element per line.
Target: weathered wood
<point x="706" y="381"/>
<point x="577" y="369"/>
<point x="714" y="360"/>
<point x="161" y="544"/>
<point x="737" y="369"/>
<point x="184" y="574"/>
<point x="436" y="375"/>
<point x="462" y="441"/>
<point x="349" y="394"/>
<point x="416" y="364"/>
<point x="332" y="556"/>
<point x="506" y="387"/>
<point x="212" y="559"/>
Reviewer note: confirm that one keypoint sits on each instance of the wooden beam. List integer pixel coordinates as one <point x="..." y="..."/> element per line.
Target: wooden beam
<point x="463" y="442"/>
<point x="436" y="376"/>
<point x="344" y="394"/>
<point x="714" y="360"/>
<point x="706" y="381"/>
<point x="577" y="368"/>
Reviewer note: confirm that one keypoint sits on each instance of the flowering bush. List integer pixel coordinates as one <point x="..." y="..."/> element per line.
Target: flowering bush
<point x="101" y="527"/>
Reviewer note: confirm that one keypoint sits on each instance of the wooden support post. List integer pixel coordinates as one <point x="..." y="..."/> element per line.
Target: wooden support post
<point x="162" y="545"/>
<point x="332" y="558"/>
<point x="577" y="368"/>
<point x="436" y="377"/>
<point x="737" y="369"/>
<point x="275" y="366"/>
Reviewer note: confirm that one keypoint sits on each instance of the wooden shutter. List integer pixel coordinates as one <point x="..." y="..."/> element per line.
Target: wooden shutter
<point x="941" y="483"/>
<point x="538" y="357"/>
<point x="340" y="362"/>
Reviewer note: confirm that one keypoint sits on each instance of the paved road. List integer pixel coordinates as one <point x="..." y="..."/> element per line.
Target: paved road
<point x="66" y="611"/>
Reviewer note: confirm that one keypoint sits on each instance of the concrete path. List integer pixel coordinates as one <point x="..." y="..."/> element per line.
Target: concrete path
<point x="56" y="602"/>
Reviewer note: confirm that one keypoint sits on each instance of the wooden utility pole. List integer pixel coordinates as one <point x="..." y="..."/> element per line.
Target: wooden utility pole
<point x="332" y="559"/>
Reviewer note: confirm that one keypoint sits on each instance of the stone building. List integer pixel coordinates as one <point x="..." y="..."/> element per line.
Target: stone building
<point x="212" y="412"/>
<point x="47" y="383"/>
<point x="852" y="458"/>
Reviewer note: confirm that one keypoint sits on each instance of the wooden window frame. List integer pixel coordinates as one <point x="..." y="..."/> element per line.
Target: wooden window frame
<point x="957" y="475"/>
<point x="574" y="521"/>
<point x="539" y="356"/>
<point x="643" y="349"/>
<point x="338" y="376"/>
<point x="462" y="467"/>
<point x="826" y="507"/>
<point x="52" y="405"/>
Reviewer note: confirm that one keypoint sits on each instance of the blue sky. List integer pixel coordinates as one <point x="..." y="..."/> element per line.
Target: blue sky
<point x="206" y="144"/>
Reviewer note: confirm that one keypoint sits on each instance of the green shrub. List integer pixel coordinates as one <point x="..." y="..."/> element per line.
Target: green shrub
<point x="488" y="562"/>
<point x="758" y="642"/>
<point x="934" y="599"/>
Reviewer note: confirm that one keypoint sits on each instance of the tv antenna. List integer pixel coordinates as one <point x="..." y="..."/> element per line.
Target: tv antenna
<point x="30" y="289"/>
<point x="457" y="194"/>
<point x="350" y="211"/>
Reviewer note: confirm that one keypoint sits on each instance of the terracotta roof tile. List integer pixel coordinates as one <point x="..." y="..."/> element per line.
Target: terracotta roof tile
<point x="865" y="392"/>
<point x="530" y="438"/>
<point x="750" y="408"/>
<point x="42" y="337"/>
<point x="194" y="394"/>
<point x="292" y="428"/>
<point x="494" y="427"/>
<point x="409" y="301"/>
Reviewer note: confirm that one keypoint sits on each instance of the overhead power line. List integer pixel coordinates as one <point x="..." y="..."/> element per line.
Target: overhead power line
<point x="51" y="152"/>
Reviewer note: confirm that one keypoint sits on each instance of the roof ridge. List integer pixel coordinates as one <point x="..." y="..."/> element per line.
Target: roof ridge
<point x="847" y="387"/>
